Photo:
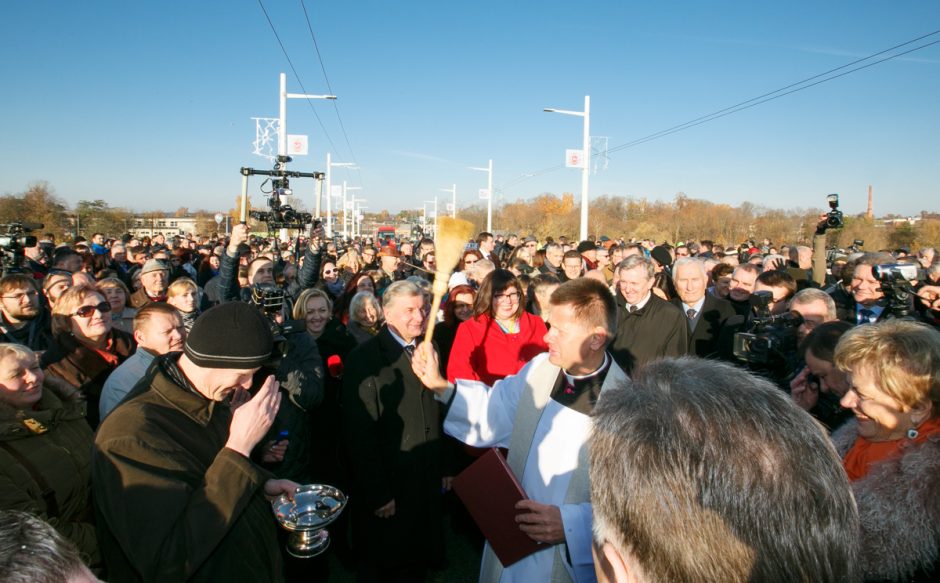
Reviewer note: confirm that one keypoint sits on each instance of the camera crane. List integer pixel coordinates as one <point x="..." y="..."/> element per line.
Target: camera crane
<point x="280" y="215"/>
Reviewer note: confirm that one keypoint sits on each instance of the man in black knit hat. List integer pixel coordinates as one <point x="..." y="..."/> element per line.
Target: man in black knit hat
<point x="176" y="495"/>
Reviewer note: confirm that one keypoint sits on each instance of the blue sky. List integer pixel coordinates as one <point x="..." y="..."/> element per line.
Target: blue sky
<point x="149" y="104"/>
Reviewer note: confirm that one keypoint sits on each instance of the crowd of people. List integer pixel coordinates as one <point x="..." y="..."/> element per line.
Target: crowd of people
<point x="673" y="412"/>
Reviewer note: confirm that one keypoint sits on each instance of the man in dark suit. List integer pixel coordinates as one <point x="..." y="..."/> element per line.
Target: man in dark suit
<point x="648" y="327"/>
<point x="392" y="429"/>
<point x="866" y="290"/>
<point x="705" y="314"/>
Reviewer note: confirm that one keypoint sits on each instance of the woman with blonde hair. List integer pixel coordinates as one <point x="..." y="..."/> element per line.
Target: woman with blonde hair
<point x="45" y="451"/>
<point x="117" y="294"/>
<point x="891" y="450"/>
<point x="183" y="294"/>
<point x="87" y="347"/>
<point x="350" y="264"/>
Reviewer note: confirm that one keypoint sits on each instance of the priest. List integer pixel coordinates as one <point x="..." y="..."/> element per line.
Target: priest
<point x="542" y="415"/>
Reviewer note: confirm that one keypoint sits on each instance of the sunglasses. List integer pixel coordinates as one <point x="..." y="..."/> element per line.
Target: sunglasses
<point x="328" y="271"/>
<point x="87" y="311"/>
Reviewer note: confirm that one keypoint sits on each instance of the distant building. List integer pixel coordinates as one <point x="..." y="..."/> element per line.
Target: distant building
<point x="163" y="225"/>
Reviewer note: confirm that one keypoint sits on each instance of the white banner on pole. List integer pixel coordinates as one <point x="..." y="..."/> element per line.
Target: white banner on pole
<point x="450" y="206"/>
<point x="574" y="158"/>
<point x="337" y="191"/>
<point x="297" y="145"/>
<point x="484" y="193"/>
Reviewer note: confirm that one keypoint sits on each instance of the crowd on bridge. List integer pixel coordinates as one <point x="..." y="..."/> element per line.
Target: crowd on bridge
<point x="682" y="411"/>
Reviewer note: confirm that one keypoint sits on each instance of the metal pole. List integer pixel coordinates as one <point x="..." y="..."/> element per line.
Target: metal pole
<point x="435" y="217"/>
<point x="319" y="195"/>
<point x="489" y="199"/>
<point x="243" y="213"/>
<point x="329" y="197"/>
<point x="282" y="118"/>
<point x="586" y="171"/>
<point x="345" y="203"/>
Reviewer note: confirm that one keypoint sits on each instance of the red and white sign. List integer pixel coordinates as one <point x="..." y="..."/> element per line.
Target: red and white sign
<point x="297" y="145"/>
<point x="484" y="193"/>
<point x="574" y="158"/>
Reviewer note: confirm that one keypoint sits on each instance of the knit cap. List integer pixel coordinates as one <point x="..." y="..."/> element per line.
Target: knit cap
<point x="232" y="335"/>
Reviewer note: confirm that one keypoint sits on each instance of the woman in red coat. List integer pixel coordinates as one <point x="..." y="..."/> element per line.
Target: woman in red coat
<point x="501" y="337"/>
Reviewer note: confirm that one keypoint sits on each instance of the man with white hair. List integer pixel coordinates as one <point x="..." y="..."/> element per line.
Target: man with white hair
<point x="705" y="313"/>
<point x="648" y="327"/>
<point x="392" y="430"/>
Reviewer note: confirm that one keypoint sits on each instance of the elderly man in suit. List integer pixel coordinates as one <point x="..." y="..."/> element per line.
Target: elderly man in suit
<point x="392" y="428"/>
<point x="705" y="313"/>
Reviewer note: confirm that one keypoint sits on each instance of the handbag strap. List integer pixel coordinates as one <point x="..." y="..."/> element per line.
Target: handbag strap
<point x="48" y="494"/>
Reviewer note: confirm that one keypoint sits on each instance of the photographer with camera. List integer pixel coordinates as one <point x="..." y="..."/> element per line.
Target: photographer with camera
<point x="765" y="340"/>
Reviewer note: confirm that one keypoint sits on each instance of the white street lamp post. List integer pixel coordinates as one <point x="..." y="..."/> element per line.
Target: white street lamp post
<point x="453" y="205"/>
<point x="282" y="118"/>
<point x="346" y="207"/>
<point x="585" y="159"/>
<point x="489" y="195"/>
<point x="329" y="191"/>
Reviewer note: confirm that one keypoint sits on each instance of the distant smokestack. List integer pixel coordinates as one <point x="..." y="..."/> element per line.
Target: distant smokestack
<point x="871" y="207"/>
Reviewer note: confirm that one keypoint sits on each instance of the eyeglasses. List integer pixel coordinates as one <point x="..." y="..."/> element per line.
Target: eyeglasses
<point x="510" y="297"/>
<point x="328" y="271"/>
<point x="470" y="262"/>
<point x="87" y="311"/>
<point x="19" y="297"/>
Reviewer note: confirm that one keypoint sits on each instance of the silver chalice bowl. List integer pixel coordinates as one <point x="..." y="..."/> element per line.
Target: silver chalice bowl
<point x="313" y="507"/>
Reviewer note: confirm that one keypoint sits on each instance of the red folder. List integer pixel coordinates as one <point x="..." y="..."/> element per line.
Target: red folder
<point x="490" y="491"/>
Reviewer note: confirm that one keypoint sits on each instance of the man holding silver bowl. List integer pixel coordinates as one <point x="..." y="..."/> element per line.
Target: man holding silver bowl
<point x="177" y="497"/>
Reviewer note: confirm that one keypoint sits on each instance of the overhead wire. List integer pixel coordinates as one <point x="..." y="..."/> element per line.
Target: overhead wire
<point x="329" y="86"/>
<point x="753" y="102"/>
<point x="296" y="74"/>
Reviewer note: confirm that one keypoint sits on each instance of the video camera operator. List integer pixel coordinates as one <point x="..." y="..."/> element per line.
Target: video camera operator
<point x="765" y="340"/>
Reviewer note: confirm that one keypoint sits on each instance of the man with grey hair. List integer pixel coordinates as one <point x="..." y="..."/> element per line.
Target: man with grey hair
<point x="705" y="313"/>
<point x="684" y="488"/>
<point x="392" y="429"/>
<point x="648" y="327"/>
<point x="866" y="290"/>
<point x="816" y="306"/>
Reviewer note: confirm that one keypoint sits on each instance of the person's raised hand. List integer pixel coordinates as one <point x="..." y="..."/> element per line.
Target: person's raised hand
<point x="803" y="392"/>
<point x="427" y="368"/>
<point x="251" y="421"/>
<point x="240" y="235"/>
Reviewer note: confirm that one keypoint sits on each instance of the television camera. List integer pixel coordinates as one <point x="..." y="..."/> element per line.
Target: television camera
<point x="13" y="242"/>
<point x="897" y="286"/>
<point x="771" y="339"/>
<point x="279" y="214"/>
<point x="270" y="299"/>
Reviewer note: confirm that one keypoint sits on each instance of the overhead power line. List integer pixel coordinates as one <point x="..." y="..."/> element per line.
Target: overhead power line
<point x="296" y="75"/>
<point x="755" y="101"/>
<point x="326" y="77"/>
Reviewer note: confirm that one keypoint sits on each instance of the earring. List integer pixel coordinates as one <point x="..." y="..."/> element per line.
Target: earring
<point x="912" y="433"/>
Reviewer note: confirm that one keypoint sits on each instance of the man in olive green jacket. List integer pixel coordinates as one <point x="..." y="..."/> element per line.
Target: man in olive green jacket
<point x="176" y="495"/>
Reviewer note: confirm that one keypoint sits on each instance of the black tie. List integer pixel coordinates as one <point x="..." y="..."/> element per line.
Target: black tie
<point x="633" y="309"/>
<point x="690" y="313"/>
<point x="409" y="350"/>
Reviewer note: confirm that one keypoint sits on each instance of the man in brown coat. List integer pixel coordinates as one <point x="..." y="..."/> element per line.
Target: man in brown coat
<point x="177" y="497"/>
<point x="154" y="278"/>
